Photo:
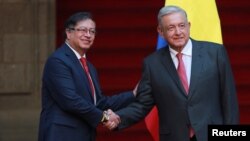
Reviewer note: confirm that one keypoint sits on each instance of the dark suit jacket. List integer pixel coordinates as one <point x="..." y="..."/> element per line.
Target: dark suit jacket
<point x="211" y="99"/>
<point x="68" y="111"/>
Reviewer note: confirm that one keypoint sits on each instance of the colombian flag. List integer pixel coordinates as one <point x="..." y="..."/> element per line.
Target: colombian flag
<point x="205" y="25"/>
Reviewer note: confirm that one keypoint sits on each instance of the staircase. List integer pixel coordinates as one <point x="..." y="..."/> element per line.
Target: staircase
<point x="235" y="21"/>
<point x="126" y="33"/>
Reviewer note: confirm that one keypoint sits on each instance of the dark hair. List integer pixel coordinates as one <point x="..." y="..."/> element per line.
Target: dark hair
<point x="75" y="18"/>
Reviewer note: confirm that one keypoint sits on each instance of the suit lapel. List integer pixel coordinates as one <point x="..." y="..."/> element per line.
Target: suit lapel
<point x="167" y="62"/>
<point x="76" y="63"/>
<point x="94" y="78"/>
<point x="196" y="68"/>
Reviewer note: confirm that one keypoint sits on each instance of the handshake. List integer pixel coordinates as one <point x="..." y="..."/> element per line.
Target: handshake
<point x="110" y="119"/>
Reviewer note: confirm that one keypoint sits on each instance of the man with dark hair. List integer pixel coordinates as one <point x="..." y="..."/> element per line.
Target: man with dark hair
<point x="72" y="102"/>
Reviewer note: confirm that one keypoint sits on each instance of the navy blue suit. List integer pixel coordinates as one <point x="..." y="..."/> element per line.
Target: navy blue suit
<point x="211" y="99"/>
<point x="68" y="109"/>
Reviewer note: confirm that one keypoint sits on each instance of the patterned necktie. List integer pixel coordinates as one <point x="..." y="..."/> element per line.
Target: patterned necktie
<point x="86" y="69"/>
<point x="182" y="72"/>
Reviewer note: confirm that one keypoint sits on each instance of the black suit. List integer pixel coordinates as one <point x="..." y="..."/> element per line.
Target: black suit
<point x="211" y="99"/>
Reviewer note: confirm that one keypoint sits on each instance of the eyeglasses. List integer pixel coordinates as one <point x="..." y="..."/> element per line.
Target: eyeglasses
<point x="90" y="31"/>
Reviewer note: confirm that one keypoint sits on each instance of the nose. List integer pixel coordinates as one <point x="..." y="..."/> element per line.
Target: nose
<point x="177" y="30"/>
<point x="87" y="33"/>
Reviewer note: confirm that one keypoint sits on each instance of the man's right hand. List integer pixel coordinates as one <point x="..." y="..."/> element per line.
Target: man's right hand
<point x="114" y="120"/>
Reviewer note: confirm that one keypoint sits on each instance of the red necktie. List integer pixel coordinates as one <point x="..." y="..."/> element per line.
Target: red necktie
<point x="86" y="69"/>
<point x="182" y="72"/>
<point x="183" y="77"/>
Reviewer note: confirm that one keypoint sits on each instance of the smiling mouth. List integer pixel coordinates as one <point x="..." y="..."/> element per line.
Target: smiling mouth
<point x="179" y="39"/>
<point x="86" y="41"/>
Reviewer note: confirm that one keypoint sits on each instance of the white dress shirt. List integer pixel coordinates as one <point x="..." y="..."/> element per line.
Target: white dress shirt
<point x="79" y="57"/>
<point x="186" y="57"/>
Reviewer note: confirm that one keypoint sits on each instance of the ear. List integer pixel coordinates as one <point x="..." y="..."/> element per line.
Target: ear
<point x="160" y="30"/>
<point x="189" y="24"/>
<point x="68" y="33"/>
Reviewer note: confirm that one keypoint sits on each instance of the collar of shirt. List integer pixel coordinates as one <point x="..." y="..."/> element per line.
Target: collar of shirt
<point x="79" y="57"/>
<point x="75" y="52"/>
<point x="186" y="51"/>
<point x="187" y="58"/>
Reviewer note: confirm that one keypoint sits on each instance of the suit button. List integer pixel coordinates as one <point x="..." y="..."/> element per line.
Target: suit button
<point x="191" y="105"/>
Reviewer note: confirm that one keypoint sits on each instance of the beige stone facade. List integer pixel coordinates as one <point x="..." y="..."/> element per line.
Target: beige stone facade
<point x="27" y="37"/>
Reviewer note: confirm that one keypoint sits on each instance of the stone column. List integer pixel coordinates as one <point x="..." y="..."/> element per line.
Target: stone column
<point x="27" y="37"/>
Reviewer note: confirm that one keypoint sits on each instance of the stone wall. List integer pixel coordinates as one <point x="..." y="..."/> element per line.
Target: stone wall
<point x="27" y="37"/>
